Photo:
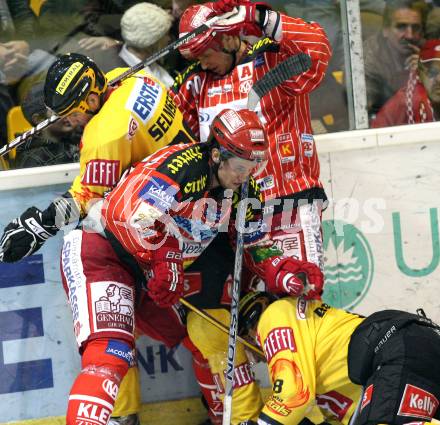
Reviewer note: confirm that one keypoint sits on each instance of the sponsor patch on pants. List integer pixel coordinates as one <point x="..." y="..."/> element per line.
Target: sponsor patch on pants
<point x="112" y="306"/>
<point x="121" y="350"/>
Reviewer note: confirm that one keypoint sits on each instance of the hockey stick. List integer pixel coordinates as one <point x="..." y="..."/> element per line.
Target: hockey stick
<point x="233" y="327"/>
<point x="355" y="414"/>
<point x="19" y="140"/>
<point x="219" y="325"/>
<point x="294" y="65"/>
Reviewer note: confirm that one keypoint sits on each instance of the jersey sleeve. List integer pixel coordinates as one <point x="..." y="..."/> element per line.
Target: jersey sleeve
<point x="185" y="91"/>
<point x="293" y="382"/>
<point x="299" y="36"/>
<point x="139" y="212"/>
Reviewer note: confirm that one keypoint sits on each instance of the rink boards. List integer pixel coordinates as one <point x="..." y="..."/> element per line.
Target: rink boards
<point x="381" y="243"/>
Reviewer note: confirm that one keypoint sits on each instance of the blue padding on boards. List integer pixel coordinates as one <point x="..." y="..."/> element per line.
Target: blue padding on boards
<point x="28" y="271"/>
<point x="21" y="324"/>
<point x="23" y="376"/>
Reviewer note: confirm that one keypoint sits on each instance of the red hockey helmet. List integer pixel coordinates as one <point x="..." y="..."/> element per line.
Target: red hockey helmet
<point x="191" y="19"/>
<point x="240" y="134"/>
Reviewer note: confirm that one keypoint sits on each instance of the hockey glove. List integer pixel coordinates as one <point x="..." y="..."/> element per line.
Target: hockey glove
<point x="166" y="285"/>
<point x="247" y="21"/>
<point x="289" y="276"/>
<point x="25" y="235"/>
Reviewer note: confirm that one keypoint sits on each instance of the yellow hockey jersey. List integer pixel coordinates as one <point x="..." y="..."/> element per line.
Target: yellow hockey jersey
<point x="306" y="347"/>
<point x="137" y="118"/>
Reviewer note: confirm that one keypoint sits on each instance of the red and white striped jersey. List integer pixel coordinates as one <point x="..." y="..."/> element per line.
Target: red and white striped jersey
<point x="169" y="194"/>
<point x="201" y="95"/>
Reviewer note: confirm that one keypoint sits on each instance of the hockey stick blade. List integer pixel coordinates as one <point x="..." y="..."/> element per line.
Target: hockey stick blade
<point x="173" y="46"/>
<point x="18" y="141"/>
<point x="293" y="65"/>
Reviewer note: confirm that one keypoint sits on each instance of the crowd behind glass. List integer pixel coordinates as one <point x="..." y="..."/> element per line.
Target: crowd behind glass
<point x="401" y="46"/>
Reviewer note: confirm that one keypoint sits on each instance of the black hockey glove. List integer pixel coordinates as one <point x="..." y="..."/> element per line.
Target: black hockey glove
<point x="249" y="422"/>
<point x="25" y="235"/>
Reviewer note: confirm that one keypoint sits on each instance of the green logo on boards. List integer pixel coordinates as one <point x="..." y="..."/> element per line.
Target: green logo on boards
<point x="348" y="262"/>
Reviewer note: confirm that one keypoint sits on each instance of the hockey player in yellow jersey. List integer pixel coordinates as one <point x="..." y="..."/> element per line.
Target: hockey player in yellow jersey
<point x="322" y="356"/>
<point x="122" y="125"/>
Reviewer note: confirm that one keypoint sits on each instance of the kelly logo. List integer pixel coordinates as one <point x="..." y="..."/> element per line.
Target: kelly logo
<point x="348" y="264"/>
<point x="417" y="402"/>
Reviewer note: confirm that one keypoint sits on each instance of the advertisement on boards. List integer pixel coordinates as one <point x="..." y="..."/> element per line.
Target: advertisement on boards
<point x="381" y="247"/>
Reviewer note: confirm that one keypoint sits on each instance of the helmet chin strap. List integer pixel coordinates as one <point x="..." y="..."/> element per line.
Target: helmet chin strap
<point x="234" y="56"/>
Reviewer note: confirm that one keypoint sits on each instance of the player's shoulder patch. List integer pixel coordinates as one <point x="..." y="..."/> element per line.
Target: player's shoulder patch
<point x="185" y="75"/>
<point x="188" y="169"/>
<point x="254" y="189"/>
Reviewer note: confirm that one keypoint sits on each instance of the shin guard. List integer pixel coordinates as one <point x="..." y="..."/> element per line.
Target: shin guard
<point x="209" y="388"/>
<point x="93" y="394"/>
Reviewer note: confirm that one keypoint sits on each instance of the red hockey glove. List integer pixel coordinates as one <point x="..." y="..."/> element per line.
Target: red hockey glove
<point x="245" y="21"/>
<point x="166" y="285"/>
<point x="290" y="276"/>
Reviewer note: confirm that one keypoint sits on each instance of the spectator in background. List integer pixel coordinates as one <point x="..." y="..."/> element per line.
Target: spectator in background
<point x="27" y="61"/>
<point x="90" y="27"/>
<point x="145" y="30"/>
<point x="433" y="22"/>
<point x="176" y="63"/>
<point x="179" y="6"/>
<point x="17" y="58"/>
<point x="58" y="144"/>
<point x="419" y="100"/>
<point x="390" y="55"/>
<point x="6" y="101"/>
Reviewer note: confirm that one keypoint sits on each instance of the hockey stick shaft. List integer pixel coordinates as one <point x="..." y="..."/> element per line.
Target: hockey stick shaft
<point x="233" y="327"/>
<point x="293" y="65"/>
<point x="171" y="47"/>
<point x="219" y="325"/>
<point x="19" y="140"/>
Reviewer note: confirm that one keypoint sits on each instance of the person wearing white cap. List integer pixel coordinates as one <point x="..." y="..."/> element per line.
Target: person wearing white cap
<point x="145" y="27"/>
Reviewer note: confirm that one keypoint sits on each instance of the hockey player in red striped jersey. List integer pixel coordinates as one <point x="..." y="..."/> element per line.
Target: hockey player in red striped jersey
<point x="226" y="67"/>
<point x="167" y="216"/>
<point x="226" y="70"/>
